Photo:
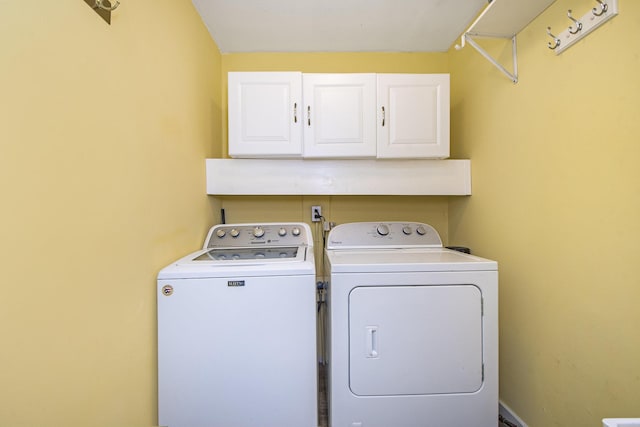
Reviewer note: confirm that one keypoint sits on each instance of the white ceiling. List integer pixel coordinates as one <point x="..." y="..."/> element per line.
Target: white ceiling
<point x="337" y="25"/>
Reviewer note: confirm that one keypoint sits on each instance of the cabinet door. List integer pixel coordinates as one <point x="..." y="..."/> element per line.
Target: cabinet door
<point x="339" y="116"/>
<point x="264" y="114"/>
<point x="413" y="116"/>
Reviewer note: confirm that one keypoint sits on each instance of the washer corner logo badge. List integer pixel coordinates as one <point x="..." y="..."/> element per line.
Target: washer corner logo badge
<point x="235" y="283"/>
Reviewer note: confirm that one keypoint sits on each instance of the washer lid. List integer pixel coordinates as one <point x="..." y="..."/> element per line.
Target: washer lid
<point x="405" y="260"/>
<point x="245" y="262"/>
<point x="239" y="255"/>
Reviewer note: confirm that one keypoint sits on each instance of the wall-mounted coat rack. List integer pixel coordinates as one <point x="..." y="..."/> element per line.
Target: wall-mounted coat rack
<point x="103" y="8"/>
<point x="503" y="19"/>
<point x="579" y="28"/>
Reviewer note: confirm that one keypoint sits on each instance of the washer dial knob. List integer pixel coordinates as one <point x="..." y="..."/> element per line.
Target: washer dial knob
<point x="295" y="231"/>
<point x="382" y="230"/>
<point x="258" y="232"/>
<point x="421" y="230"/>
<point x="234" y="233"/>
<point x="282" y="232"/>
<point x="221" y="233"/>
<point x="406" y="230"/>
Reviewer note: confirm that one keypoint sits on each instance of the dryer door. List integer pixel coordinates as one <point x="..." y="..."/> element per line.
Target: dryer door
<point x="412" y="340"/>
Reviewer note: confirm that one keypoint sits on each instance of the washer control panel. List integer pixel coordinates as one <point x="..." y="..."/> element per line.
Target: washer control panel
<point x="383" y="234"/>
<point x="264" y="234"/>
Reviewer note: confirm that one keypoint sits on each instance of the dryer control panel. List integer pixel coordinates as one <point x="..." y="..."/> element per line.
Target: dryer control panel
<point x="259" y="234"/>
<point x="383" y="235"/>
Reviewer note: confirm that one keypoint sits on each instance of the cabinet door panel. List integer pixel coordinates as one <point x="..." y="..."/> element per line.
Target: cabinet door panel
<point x="340" y="115"/>
<point x="264" y="114"/>
<point x="413" y="116"/>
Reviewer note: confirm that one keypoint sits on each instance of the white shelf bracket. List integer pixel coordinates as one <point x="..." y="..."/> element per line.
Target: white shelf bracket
<point x="503" y="19"/>
<point x="468" y="38"/>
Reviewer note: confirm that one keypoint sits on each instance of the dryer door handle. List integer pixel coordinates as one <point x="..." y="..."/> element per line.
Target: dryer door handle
<point x="372" y="341"/>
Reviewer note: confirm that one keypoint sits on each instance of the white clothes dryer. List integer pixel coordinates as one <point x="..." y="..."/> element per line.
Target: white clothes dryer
<point x="237" y="330"/>
<point x="413" y="329"/>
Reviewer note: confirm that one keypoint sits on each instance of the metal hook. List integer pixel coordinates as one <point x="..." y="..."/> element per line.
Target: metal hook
<point x="556" y="41"/>
<point x="101" y="5"/>
<point x="575" y="21"/>
<point x="603" y="8"/>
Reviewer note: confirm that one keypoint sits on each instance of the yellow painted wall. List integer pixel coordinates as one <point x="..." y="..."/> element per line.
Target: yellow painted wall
<point x="103" y="132"/>
<point x="103" y="135"/>
<point x="340" y="209"/>
<point x="556" y="200"/>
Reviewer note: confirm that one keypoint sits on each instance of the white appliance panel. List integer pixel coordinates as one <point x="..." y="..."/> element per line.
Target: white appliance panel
<point x="222" y="347"/>
<point x="425" y="410"/>
<point x="237" y="330"/>
<point x="413" y="329"/>
<point x="407" y="340"/>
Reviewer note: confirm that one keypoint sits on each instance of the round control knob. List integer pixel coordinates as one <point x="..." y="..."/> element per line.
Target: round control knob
<point x="295" y="231"/>
<point x="282" y="232"/>
<point x="382" y="230"/>
<point x="258" y="232"/>
<point x="421" y="231"/>
<point x="406" y="230"/>
<point x="221" y="233"/>
<point x="260" y="255"/>
<point x="235" y="256"/>
<point x="234" y="233"/>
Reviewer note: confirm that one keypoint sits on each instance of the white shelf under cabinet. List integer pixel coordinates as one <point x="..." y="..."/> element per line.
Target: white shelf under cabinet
<point x="338" y="177"/>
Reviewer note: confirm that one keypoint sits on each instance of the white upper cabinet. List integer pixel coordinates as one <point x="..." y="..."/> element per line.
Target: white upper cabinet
<point x="413" y="116"/>
<point x="265" y="114"/>
<point x="349" y="116"/>
<point x="339" y="115"/>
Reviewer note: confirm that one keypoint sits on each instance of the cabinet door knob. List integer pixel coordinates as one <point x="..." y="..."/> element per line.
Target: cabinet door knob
<point x="295" y="112"/>
<point x="309" y="115"/>
<point x="383" y="116"/>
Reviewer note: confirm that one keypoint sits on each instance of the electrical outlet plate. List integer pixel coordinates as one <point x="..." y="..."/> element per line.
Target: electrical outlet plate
<point x="316" y="213"/>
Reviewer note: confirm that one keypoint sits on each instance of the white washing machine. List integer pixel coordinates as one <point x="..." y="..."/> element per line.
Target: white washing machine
<point x="237" y="330"/>
<point x="413" y="329"/>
